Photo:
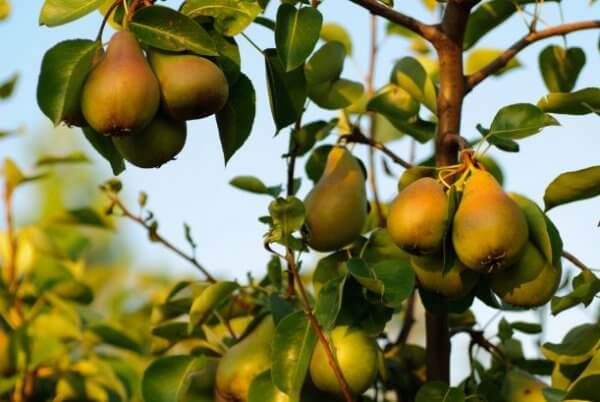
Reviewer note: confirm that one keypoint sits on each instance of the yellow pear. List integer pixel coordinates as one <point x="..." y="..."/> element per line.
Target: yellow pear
<point x="455" y="283"/>
<point x="490" y="231"/>
<point x="531" y="282"/>
<point x="243" y="362"/>
<point x="357" y="356"/>
<point x="418" y="217"/>
<point x="121" y="93"/>
<point x="154" y="145"/>
<point x="191" y="86"/>
<point x="336" y="208"/>
<point x="520" y="386"/>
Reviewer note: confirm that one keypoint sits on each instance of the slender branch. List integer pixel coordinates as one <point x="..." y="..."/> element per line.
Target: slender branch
<point x="290" y="191"/>
<point x="357" y="137"/>
<point x="156" y="237"/>
<point x="476" y="78"/>
<point x="478" y="338"/>
<point x="409" y="320"/>
<point x="373" y="122"/>
<point x="575" y="261"/>
<point x="428" y="32"/>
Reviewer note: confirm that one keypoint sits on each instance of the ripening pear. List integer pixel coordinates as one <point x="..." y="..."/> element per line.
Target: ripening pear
<point x="357" y="356"/>
<point x="243" y="362"/>
<point x="121" y="93"/>
<point x="531" y="282"/>
<point x="490" y="231"/>
<point x="154" y="145"/>
<point x="191" y="86"/>
<point x="418" y="217"/>
<point x="336" y="208"/>
<point x="520" y="386"/>
<point x="455" y="283"/>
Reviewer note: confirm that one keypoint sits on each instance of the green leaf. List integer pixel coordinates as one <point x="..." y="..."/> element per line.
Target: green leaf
<point x="262" y="389"/>
<point x="306" y="137"/>
<point x="526" y="327"/>
<point x="329" y="302"/>
<point x="14" y="177"/>
<point x="205" y="304"/>
<point x="7" y="87"/>
<point x="336" y="95"/>
<point x="573" y="186"/>
<point x="560" y="67"/>
<point x="315" y="165"/>
<point x="106" y="148"/>
<point x="64" y="70"/>
<point x="585" y="288"/>
<point x="75" y="157"/>
<point x="538" y="230"/>
<point x="287" y="216"/>
<point x="80" y="216"/>
<point x="167" y="378"/>
<point x="58" y="12"/>
<point x="519" y="121"/>
<point x="332" y="32"/>
<point x="393" y="102"/>
<point x="398" y="281"/>
<point x="293" y="345"/>
<point x="577" y="346"/>
<point x="229" y="58"/>
<point x="359" y="269"/>
<point x="326" y="65"/>
<point x="586" y="386"/>
<point x="435" y="391"/>
<point x="231" y="17"/>
<point x="479" y="58"/>
<point x="584" y="101"/>
<point x="249" y="183"/>
<point x="287" y="90"/>
<point x="116" y="337"/>
<point x="296" y="34"/>
<point x="419" y="129"/>
<point x="409" y="74"/>
<point x="236" y="118"/>
<point x="505" y="144"/>
<point x="167" y="29"/>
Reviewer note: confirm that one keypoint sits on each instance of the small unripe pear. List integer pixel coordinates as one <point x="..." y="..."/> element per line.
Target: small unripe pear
<point x="418" y="217"/>
<point x="191" y="86"/>
<point x="520" y="386"/>
<point x="121" y="93"/>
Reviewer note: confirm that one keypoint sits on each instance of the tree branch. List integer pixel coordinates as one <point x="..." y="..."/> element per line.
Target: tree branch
<point x="428" y="32"/>
<point x="575" y="261"/>
<point x="409" y="319"/>
<point x="476" y="78"/>
<point x="357" y="137"/>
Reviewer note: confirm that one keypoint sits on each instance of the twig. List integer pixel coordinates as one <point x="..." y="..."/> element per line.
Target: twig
<point x="109" y="12"/>
<point x="290" y="191"/>
<point x="359" y="138"/>
<point x="575" y="261"/>
<point x="409" y="320"/>
<point x="476" y="78"/>
<point x="156" y="237"/>
<point x="428" y="32"/>
<point x="478" y="338"/>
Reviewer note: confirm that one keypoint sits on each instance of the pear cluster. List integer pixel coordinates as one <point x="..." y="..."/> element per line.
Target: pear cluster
<point x="143" y="103"/>
<point x="489" y="235"/>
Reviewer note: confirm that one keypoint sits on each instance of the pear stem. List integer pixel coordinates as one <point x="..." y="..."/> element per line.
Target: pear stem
<point x="575" y="261"/>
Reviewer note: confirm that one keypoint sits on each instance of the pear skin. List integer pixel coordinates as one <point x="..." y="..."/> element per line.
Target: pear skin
<point x="520" y="386"/>
<point x="531" y="282"/>
<point x="154" y="145"/>
<point x="191" y="86"/>
<point x="357" y="356"/>
<point x="418" y="217"/>
<point x="336" y="208"/>
<point x="455" y="283"/>
<point x="121" y="94"/>
<point x="490" y="231"/>
<point x="243" y="362"/>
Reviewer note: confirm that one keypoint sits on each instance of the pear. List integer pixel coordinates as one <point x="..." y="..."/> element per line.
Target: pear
<point x="490" y="231"/>
<point x="243" y="362"/>
<point x="357" y="356"/>
<point x="457" y="282"/>
<point x="520" y="386"/>
<point x="418" y="217"/>
<point x="154" y="145"/>
<point x="121" y="94"/>
<point x="531" y="282"/>
<point x="336" y="208"/>
<point x="191" y="86"/>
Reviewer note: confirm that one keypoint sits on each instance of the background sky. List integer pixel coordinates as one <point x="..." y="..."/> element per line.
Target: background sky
<point x="195" y="189"/>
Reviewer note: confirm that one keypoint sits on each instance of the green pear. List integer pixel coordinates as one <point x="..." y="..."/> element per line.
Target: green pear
<point x="357" y="355"/>
<point x="520" y="386"/>
<point x="243" y="362"/>
<point x="191" y="86"/>
<point x="490" y="231"/>
<point x="336" y="208"/>
<point x="154" y="145"/>
<point x="418" y="217"/>
<point x="121" y="94"/>
<point x="457" y="282"/>
<point x="531" y="282"/>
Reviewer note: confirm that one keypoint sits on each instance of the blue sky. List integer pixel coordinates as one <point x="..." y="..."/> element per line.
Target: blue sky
<point x="195" y="189"/>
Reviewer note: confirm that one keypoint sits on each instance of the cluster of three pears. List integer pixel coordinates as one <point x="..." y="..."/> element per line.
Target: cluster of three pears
<point x="143" y="106"/>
